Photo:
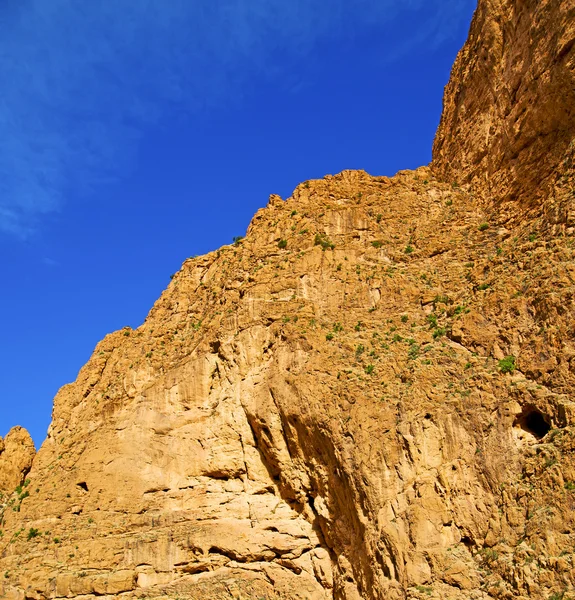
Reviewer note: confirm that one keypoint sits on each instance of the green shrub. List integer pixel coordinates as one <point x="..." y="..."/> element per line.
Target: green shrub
<point x="329" y="336"/>
<point x="32" y="533"/>
<point x="404" y="318"/>
<point x="432" y="320"/>
<point x="322" y="240"/>
<point x="507" y="364"/>
<point x="377" y="244"/>
<point x="483" y="226"/>
<point x="282" y="244"/>
<point x="439" y="332"/>
<point x="408" y="249"/>
<point x="369" y="369"/>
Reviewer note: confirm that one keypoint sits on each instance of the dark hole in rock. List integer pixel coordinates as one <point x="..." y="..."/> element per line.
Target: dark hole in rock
<point x="533" y="421"/>
<point x="83" y="485"/>
<point x="467" y="541"/>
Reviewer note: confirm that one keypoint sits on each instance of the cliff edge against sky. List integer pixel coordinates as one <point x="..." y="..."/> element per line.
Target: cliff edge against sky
<point x="370" y="396"/>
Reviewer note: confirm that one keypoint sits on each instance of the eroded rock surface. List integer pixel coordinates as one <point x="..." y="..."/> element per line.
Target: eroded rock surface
<point x="509" y="108"/>
<point x="16" y="454"/>
<point x="368" y="397"/>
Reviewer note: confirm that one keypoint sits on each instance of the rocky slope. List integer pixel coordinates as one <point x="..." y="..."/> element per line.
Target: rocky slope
<point x="370" y="396"/>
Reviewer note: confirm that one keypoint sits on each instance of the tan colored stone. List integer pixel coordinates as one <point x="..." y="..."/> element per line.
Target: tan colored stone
<point x="332" y="419"/>
<point x="16" y="454"/>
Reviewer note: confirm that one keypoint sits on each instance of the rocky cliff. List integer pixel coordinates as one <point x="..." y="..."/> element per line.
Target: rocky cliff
<point x="370" y="396"/>
<point x="509" y="108"/>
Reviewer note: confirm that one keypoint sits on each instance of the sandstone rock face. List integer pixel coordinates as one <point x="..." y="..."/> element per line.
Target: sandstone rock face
<point x="16" y="454"/>
<point x="509" y="109"/>
<point x="368" y="397"/>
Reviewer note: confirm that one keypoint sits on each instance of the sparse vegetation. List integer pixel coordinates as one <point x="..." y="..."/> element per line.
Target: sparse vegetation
<point x="507" y="364"/>
<point x="322" y="240"/>
<point x="282" y="244"/>
<point x="483" y="226"/>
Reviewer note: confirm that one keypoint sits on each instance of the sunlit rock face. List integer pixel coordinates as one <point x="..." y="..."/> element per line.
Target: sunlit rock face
<point x="368" y="397"/>
<point x="16" y="454"/>
<point x="509" y="110"/>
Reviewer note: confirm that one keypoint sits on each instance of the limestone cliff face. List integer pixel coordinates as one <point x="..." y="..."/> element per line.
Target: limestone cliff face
<point x="368" y="397"/>
<point x="16" y="454"/>
<point x="509" y="110"/>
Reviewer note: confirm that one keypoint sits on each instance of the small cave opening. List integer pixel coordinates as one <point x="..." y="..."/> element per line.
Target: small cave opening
<point x="533" y="421"/>
<point x="83" y="485"/>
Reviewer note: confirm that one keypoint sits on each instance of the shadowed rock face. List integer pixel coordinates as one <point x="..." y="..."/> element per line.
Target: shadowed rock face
<point x="509" y="108"/>
<point x="381" y="407"/>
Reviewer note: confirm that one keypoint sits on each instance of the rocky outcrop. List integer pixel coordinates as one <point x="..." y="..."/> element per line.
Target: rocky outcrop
<point x="336" y="416"/>
<point x="368" y="397"/>
<point x="16" y="454"/>
<point x="509" y="109"/>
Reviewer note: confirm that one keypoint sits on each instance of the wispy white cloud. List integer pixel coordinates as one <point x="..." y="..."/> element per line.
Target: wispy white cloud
<point x="82" y="79"/>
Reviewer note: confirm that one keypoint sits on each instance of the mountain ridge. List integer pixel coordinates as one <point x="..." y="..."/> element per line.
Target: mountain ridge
<point x="368" y="396"/>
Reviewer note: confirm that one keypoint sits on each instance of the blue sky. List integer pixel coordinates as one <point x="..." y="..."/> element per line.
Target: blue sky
<point x="136" y="134"/>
